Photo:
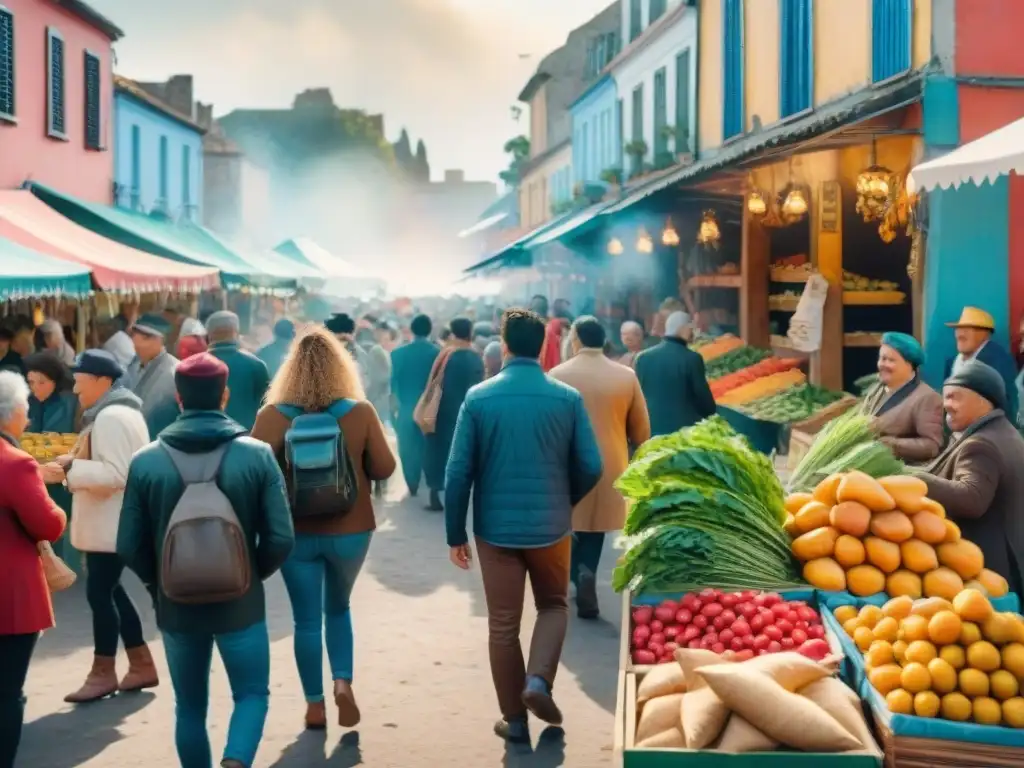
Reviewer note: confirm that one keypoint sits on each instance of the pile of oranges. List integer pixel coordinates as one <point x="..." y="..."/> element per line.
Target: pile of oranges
<point x="958" y="660"/>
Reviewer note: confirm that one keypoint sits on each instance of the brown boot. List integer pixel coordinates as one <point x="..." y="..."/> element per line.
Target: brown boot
<point x="316" y="716"/>
<point x="99" y="683"/>
<point x="345" y="699"/>
<point x="141" y="670"/>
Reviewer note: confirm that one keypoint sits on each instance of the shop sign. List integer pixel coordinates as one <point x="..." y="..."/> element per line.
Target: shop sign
<point x="830" y="207"/>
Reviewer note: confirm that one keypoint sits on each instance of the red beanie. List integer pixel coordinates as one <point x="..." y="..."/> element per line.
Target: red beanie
<point x="200" y="381"/>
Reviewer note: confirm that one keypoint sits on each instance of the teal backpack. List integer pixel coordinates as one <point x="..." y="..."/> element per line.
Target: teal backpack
<point x="319" y="472"/>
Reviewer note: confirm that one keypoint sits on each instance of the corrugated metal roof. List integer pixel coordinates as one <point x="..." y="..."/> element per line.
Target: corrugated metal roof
<point x="849" y="109"/>
<point x="570" y="225"/>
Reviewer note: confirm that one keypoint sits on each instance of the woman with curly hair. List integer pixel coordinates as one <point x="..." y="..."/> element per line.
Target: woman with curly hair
<point x="317" y="375"/>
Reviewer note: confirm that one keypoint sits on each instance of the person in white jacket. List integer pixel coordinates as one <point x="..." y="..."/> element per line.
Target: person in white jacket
<point x="95" y="472"/>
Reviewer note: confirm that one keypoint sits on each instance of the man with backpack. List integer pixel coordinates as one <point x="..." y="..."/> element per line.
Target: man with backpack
<point x="205" y="521"/>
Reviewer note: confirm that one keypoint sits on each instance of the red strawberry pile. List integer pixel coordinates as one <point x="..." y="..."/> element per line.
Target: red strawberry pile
<point x="739" y="625"/>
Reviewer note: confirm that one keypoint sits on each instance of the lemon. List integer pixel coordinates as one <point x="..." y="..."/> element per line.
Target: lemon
<point x="899" y="650"/>
<point x="944" y="628"/>
<point x="1013" y="712"/>
<point x="863" y="637"/>
<point x="869" y="615"/>
<point x="914" y="628"/>
<point x="969" y="633"/>
<point x="885" y="678"/>
<point x="915" y="677"/>
<point x="844" y="613"/>
<point x="956" y="707"/>
<point x="973" y="683"/>
<point x="850" y="626"/>
<point x="1000" y="628"/>
<point x="987" y="711"/>
<point x="921" y="651"/>
<point x="901" y="703"/>
<point x="954" y="656"/>
<point x="944" y="679"/>
<point x="926" y="704"/>
<point x="984" y="656"/>
<point x="1013" y="659"/>
<point x="879" y="653"/>
<point x="1004" y="685"/>
<point x="887" y="628"/>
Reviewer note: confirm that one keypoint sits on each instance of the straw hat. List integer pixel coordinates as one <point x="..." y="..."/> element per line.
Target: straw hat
<point x="972" y="317"/>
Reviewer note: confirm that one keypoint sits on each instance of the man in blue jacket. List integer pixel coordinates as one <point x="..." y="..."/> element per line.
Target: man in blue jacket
<point x="525" y="448"/>
<point x="410" y="369"/>
<point x="248" y="378"/>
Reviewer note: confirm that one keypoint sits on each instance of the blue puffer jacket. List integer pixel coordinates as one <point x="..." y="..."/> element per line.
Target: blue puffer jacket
<point x="525" y="447"/>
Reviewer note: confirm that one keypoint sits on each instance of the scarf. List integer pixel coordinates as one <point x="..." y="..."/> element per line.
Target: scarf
<point x="955" y="442"/>
<point x="880" y="401"/>
<point x="116" y="395"/>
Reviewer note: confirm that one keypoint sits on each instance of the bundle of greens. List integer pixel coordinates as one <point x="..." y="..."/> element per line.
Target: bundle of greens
<point x="846" y="443"/>
<point x="706" y="511"/>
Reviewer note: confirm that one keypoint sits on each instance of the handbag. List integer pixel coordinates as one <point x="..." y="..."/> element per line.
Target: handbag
<point x="59" y="575"/>
<point x="425" y="413"/>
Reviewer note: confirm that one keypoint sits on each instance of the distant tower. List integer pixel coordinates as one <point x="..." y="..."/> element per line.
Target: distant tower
<point x="422" y="172"/>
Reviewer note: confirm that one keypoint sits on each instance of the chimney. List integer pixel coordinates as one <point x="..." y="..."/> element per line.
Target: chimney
<point x="178" y="94"/>
<point x="204" y="115"/>
<point x="454" y="177"/>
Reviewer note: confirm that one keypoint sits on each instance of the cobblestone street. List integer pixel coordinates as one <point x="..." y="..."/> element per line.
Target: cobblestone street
<point x="422" y="677"/>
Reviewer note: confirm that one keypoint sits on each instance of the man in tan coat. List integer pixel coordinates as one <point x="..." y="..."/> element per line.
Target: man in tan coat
<point x="618" y="412"/>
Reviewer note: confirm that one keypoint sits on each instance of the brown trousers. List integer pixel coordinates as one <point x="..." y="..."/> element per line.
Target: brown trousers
<point x="504" y="573"/>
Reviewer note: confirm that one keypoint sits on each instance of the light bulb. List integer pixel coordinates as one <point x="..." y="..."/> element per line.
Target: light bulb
<point x="615" y="247"/>
<point x="669" y="236"/>
<point x="795" y="203"/>
<point x="644" y="243"/>
<point x="756" y="204"/>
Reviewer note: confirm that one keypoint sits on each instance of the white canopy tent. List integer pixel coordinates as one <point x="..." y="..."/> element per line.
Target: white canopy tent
<point x="986" y="159"/>
<point x="343" y="278"/>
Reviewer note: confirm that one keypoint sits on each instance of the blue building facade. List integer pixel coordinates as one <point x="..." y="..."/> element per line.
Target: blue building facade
<point x="158" y="155"/>
<point x="596" y="132"/>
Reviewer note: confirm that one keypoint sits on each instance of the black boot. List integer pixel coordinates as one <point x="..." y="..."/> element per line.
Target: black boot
<point x="586" y="595"/>
<point x="435" y="504"/>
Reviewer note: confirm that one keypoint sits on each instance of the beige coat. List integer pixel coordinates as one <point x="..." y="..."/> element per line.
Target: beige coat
<point x="618" y="412"/>
<point x="913" y="426"/>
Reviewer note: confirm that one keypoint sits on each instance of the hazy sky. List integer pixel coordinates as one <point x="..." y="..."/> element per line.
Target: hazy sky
<point x="447" y="70"/>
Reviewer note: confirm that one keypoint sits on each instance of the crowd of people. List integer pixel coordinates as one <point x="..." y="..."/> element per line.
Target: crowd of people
<point x="206" y="471"/>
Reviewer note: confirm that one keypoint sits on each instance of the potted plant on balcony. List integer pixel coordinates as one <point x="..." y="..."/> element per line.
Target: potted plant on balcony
<point x="636" y="150"/>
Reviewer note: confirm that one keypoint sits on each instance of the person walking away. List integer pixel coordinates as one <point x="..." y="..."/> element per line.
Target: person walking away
<point x="551" y="352"/>
<point x="151" y="374"/>
<point x="493" y="359"/>
<point x="462" y="369"/>
<point x="974" y="331"/>
<point x="226" y="606"/>
<point x="410" y="369"/>
<point x="618" y="413"/>
<point x="522" y="512"/>
<point x="978" y="478"/>
<point x="55" y="343"/>
<point x="274" y="353"/>
<point x="333" y="530"/>
<point x="632" y="335"/>
<point x="247" y="374"/>
<point x="53" y="407"/>
<point x="344" y="329"/>
<point x="191" y="340"/>
<point x="379" y="376"/>
<point x="113" y="429"/>
<point x="29" y="517"/>
<point x="672" y="379"/>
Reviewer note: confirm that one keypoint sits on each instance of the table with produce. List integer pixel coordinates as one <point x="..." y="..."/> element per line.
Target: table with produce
<point x="732" y="582"/>
<point x="47" y="446"/>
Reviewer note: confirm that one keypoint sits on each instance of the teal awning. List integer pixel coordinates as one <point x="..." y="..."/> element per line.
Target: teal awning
<point x="25" y="273"/>
<point x="515" y="254"/>
<point x="572" y="226"/>
<point x="183" y="242"/>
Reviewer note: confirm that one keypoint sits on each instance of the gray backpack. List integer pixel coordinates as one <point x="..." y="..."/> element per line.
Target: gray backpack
<point x="205" y="554"/>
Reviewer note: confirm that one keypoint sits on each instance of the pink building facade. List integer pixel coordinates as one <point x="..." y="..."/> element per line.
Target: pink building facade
<point x="56" y="97"/>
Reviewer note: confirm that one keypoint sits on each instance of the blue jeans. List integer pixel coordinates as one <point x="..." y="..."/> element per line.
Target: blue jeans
<point x="319" y="576"/>
<point x="246" y="656"/>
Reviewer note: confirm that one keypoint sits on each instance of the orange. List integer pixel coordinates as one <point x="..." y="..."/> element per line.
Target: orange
<point x="879" y="654"/>
<point x="900" y="702"/>
<point x="987" y="711"/>
<point x="920" y="651"/>
<point x="1013" y="712"/>
<point x="885" y="678"/>
<point x="970" y="633"/>
<point x="845" y="612"/>
<point x="914" y="628"/>
<point x="1004" y="685"/>
<point x="915" y="678"/>
<point x="944" y="679"/>
<point x="888" y="628"/>
<point x="863" y="637"/>
<point x="953" y="655"/>
<point x="973" y="683"/>
<point x="944" y="628"/>
<point x="956" y="707"/>
<point x="984" y="656"/>
<point x="926" y="704"/>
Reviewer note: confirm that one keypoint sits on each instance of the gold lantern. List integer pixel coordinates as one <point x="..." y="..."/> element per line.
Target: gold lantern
<point x="615" y="247"/>
<point x="669" y="236"/>
<point x="644" y="243"/>
<point x="709" y="233"/>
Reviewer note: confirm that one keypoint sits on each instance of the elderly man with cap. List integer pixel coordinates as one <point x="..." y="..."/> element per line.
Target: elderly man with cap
<point x="974" y="331"/>
<point x="274" y="353"/>
<point x="672" y="379"/>
<point x="248" y="475"/>
<point x="979" y="478"/>
<point x="151" y="374"/>
<point x="248" y="378"/>
<point x="113" y="429"/>
<point x="907" y="412"/>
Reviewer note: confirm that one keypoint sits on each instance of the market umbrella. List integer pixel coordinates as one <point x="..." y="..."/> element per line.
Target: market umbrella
<point x="25" y="273"/>
<point x="986" y="159"/>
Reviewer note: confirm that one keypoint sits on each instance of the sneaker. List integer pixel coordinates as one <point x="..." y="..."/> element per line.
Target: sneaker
<point x="516" y="731"/>
<point x="586" y="595"/>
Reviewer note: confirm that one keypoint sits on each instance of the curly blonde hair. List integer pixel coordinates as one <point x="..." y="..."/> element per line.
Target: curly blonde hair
<point x="317" y="371"/>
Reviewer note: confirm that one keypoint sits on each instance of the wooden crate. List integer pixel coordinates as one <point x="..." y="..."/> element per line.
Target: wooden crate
<point x="913" y="752"/>
<point x="802" y="433"/>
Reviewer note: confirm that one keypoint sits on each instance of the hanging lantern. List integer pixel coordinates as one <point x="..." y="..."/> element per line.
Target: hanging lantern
<point x="644" y="243"/>
<point x="756" y="204"/>
<point x="795" y="204"/>
<point x="615" y="247"/>
<point x="669" y="236"/>
<point x="709" y="233"/>
<point x="874" y="185"/>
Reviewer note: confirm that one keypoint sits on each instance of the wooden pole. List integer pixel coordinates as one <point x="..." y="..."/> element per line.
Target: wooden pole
<point x="755" y="255"/>
<point x="826" y="220"/>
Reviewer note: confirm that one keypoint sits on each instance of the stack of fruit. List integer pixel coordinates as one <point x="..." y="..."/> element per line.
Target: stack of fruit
<point x="958" y="660"/>
<point x="869" y="536"/>
<point x="46" y="446"/>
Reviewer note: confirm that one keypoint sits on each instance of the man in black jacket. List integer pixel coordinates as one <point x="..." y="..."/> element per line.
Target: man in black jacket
<point x="672" y="379"/>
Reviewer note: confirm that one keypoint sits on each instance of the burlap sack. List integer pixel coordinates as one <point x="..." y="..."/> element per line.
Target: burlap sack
<point x="661" y="680"/>
<point x="704" y="714"/>
<point x="740" y="736"/>
<point x="834" y="697"/>
<point x="670" y="739"/>
<point x="786" y="717"/>
<point x="659" y="715"/>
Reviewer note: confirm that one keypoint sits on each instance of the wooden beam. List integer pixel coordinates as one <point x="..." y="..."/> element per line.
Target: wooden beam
<point x="826" y="220"/>
<point x="755" y="256"/>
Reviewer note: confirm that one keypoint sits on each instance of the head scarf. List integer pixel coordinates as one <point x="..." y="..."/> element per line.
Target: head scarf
<point x="551" y="351"/>
<point x="982" y="379"/>
<point x="906" y="346"/>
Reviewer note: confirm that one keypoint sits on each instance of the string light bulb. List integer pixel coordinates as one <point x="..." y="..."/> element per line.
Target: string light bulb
<point x="709" y="233"/>
<point x="615" y="247"/>
<point x="644" y="243"/>
<point x="795" y="203"/>
<point x="669" y="236"/>
<point x="756" y="204"/>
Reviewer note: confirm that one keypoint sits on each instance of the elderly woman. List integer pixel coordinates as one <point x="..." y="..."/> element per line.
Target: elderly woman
<point x="908" y="413"/>
<point x="30" y="517"/>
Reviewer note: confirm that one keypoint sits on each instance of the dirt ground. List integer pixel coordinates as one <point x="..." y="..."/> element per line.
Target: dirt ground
<point x="422" y="677"/>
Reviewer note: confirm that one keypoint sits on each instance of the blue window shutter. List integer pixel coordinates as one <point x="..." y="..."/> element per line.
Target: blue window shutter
<point x="683" y="143"/>
<point x="93" y="95"/>
<point x="732" y="68"/>
<point x="7" y="105"/>
<point x="163" y="169"/>
<point x="660" y="112"/>
<point x="796" y="56"/>
<point x="186" y="175"/>
<point x="891" y="33"/>
<point x="55" y="84"/>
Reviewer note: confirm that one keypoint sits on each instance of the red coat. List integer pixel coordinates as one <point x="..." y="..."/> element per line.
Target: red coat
<point x="27" y="516"/>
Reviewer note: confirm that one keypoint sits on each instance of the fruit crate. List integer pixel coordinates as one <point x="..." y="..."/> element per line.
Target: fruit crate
<point x="628" y="756"/>
<point x="911" y="752"/>
<point x="631" y="601"/>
